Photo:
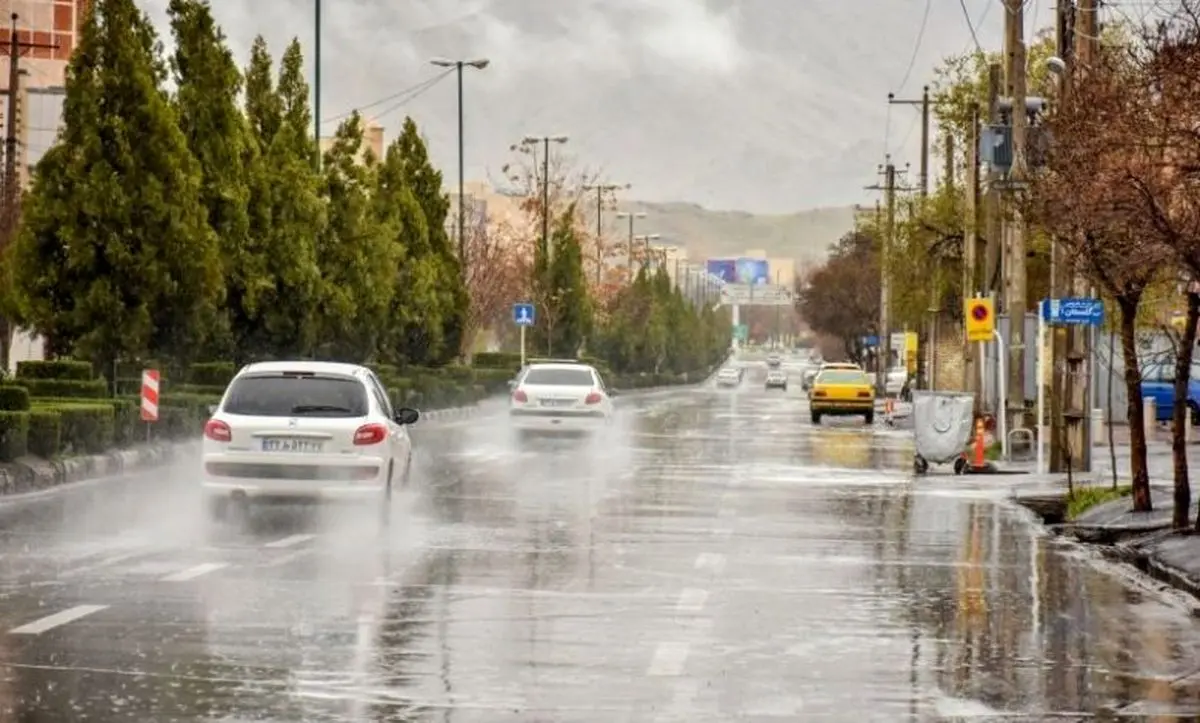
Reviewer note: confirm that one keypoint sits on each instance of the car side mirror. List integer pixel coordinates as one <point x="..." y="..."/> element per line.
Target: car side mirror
<point x="614" y="392"/>
<point x="407" y="415"/>
<point x="212" y="409"/>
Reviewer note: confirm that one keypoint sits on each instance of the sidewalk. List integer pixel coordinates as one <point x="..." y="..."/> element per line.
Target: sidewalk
<point x="1142" y="539"/>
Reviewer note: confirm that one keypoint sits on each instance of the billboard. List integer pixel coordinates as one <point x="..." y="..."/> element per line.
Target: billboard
<point x="740" y="270"/>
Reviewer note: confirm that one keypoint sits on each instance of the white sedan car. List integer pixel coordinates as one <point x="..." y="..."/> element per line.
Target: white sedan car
<point x="295" y="431"/>
<point x="729" y="377"/>
<point x="560" y="397"/>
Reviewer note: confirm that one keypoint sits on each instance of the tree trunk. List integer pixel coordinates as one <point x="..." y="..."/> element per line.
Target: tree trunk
<point x="1108" y="425"/>
<point x="1140" y="477"/>
<point x="1181" y="414"/>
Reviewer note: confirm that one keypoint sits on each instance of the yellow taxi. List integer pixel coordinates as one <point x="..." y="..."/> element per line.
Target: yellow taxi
<point x="842" y="390"/>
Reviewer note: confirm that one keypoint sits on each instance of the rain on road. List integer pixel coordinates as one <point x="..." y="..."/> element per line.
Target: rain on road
<point x="724" y="560"/>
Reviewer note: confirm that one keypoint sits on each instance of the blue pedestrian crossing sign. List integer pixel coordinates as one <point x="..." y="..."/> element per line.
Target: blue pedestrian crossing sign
<point x="524" y="314"/>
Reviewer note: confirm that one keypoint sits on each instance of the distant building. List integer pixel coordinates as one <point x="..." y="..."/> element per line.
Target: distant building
<point x="501" y="212"/>
<point x="54" y="23"/>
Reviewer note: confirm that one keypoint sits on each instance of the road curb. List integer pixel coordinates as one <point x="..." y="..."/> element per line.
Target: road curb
<point x="31" y="479"/>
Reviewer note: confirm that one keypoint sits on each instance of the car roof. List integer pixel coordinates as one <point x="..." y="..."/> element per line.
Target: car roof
<point x="560" y="365"/>
<point x="840" y="365"/>
<point x="314" y="367"/>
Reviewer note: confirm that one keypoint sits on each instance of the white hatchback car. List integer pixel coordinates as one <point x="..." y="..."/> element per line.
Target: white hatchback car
<point x="560" y="397"/>
<point x="295" y="431"/>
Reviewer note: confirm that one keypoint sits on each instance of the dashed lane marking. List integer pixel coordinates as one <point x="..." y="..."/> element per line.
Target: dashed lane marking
<point x="37" y="627"/>
<point x="692" y="600"/>
<point x="669" y="659"/>
<point x="710" y="561"/>
<point x="290" y="541"/>
<point x="194" y="572"/>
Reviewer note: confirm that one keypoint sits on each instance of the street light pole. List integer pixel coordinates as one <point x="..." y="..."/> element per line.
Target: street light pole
<point x="646" y="238"/>
<point x="601" y="189"/>
<point x="317" y="79"/>
<point x="545" y="141"/>
<point x="629" y="260"/>
<point x="458" y="65"/>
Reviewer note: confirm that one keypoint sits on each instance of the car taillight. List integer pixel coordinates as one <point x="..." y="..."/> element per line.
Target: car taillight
<point x="864" y="395"/>
<point x="370" y="434"/>
<point x="520" y="396"/>
<point x="594" y="398"/>
<point x="217" y="431"/>
<point x="818" y="394"/>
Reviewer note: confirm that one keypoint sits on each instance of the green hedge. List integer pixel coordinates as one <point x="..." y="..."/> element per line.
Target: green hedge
<point x="14" y="398"/>
<point x="73" y="388"/>
<point x="55" y="369"/>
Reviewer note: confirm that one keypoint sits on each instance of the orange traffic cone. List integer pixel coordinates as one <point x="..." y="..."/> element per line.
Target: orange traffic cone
<point x="979" y="446"/>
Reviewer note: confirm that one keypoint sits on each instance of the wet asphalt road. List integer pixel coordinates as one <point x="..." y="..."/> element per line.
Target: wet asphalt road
<point x="720" y="560"/>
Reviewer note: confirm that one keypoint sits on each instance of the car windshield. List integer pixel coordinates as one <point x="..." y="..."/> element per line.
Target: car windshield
<point x="841" y="376"/>
<point x="549" y="376"/>
<point x="297" y="395"/>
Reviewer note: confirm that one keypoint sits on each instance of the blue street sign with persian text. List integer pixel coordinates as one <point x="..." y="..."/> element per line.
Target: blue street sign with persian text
<point x="524" y="314"/>
<point x="1078" y="311"/>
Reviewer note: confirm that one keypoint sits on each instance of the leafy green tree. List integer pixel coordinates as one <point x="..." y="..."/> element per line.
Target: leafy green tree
<point x="651" y="330"/>
<point x="426" y="183"/>
<point x="207" y="84"/>
<point x="277" y="272"/>
<point x="115" y="257"/>
<point x="357" y="254"/>
<point x="415" y="323"/>
<point x="561" y="292"/>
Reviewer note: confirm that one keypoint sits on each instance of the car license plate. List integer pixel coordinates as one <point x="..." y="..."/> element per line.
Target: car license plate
<point x="291" y="444"/>
<point x="556" y="402"/>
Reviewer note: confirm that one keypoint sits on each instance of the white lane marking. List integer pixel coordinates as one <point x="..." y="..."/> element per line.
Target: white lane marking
<point x="669" y="659"/>
<point x="194" y="572"/>
<point x="290" y="557"/>
<point x="290" y="541"/>
<point x="711" y="561"/>
<point x="50" y="622"/>
<point x="692" y="600"/>
<point x="106" y="562"/>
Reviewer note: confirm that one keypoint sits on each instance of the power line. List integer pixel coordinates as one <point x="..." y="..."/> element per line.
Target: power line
<point x="912" y="61"/>
<point x="404" y="96"/>
<point x="971" y="26"/>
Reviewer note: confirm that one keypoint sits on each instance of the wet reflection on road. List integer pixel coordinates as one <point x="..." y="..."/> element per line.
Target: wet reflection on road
<point x="716" y="558"/>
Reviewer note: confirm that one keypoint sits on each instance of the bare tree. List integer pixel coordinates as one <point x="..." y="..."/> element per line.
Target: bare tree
<point x="1164" y="169"/>
<point x="1083" y="198"/>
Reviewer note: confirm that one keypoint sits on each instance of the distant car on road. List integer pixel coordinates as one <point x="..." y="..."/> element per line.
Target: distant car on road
<point x="560" y="397"/>
<point x="774" y="361"/>
<point x="305" y="431"/>
<point x="729" y="377"/>
<point x="776" y="379"/>
<point x="841" y="391"/>
<point x="897" y="377"/>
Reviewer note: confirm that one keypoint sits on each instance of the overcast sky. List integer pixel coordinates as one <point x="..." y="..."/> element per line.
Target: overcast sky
<point x="759" y="105"/>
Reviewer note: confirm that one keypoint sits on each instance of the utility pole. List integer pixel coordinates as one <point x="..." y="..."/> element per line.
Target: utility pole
<point x="458" y="65"/>
<point x="925" y="371"/>
<point x="970" y="270"/>
<point x="12" y="171"/>
<point x="1014" y="226"/>
<point x="601" y="189"/>
<point x="1079" y="354"/>
<point x="884" y="356"/>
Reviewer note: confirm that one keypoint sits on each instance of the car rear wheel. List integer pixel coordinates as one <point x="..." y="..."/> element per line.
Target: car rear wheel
<point x="816" y="417"/>
<point x="869" y="417"/>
